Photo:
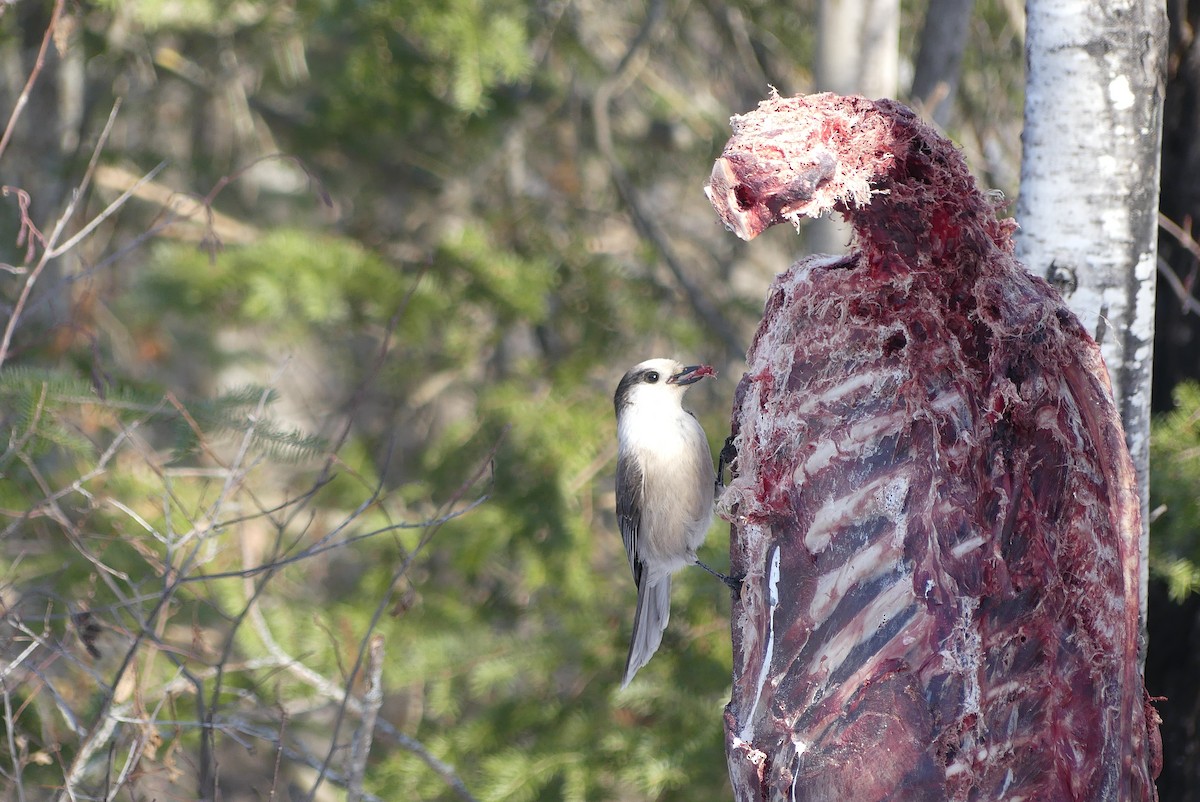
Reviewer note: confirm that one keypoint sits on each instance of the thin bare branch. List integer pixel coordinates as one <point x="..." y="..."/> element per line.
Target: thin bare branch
<point x="136" y="750"/>
<point x="335" y="692"/>
<point x="108" y="212"/>
<point x="324" y="546"/>
<point x="77" y="486"/>
<point x="78" y="193"/>
<point x="1186" y="299"/>
<point x="294" y="754"/>
<point x="347" y="700"/>
<point x="643" y="219"/>
<point x="10" y="728"/>
<point x="100" y="736"/>
<point x="1188" y="242"/>
<point x="38" y="64"/>
<point x="385" y="344"/>
<point x="1180" y="234"/>
<point x="371" y="702"/>
<point x="28" y="234"/>
<point x="50" y="250"/>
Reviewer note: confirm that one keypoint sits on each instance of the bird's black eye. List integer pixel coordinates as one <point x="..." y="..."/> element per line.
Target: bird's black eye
<point x="652" y="377"/>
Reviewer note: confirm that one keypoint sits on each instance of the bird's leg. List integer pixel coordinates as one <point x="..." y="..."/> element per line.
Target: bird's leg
<point x="732" y="582"/>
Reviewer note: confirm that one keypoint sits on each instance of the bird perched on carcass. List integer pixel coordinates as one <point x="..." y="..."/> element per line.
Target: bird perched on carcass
<point x="933" y="503"/>
<point x="665" y="483"/>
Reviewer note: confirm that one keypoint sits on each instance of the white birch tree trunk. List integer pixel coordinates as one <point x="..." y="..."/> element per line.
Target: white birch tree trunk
<point x="1089" y="183"/>
<point x="858" y="53"/>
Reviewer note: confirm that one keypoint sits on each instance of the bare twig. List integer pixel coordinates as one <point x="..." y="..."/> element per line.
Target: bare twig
<point x="1188" y="242"/>
<point x="1189" y="302"/>
<point x="109" y="211"/>
<point x="100" y="736"/>
<point x="325" y="545"/>
<point x="50" y="250"/>
<point x="645" y="222"/>
<point x="15" y="663"/>
<point x="333" y="691"/>
<point x="371" y="702"/>
<point x="78" y="194"/>
<point x="23" y="98"/>
<point x="211" y="241"/>
<point x="136" y="750"/>
<point x="279" y="749"/>
<point x="1180" y="234"/>
<point x="10" y="728"/>
<point x="291" y="753"/>
<point x="234" y="476"/>
<point x="385" y="345"/>
<point x="28" y="233"/>
<point x="486" y="467"/>
<point x="100" y="468"/>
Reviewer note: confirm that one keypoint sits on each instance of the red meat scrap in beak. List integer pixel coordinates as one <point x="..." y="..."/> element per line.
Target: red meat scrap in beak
<point x="692" y="374"/>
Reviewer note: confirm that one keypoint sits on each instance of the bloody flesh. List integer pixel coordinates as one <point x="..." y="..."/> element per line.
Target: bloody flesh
<point x="933" y="503"/>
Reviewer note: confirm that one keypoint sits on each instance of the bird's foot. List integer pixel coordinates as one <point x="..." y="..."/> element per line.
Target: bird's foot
<point x="734" y="583"/>
<point x="725" y="458"/>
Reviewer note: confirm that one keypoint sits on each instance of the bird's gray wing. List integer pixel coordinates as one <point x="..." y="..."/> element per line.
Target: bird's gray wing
<point x="629" y="509"/>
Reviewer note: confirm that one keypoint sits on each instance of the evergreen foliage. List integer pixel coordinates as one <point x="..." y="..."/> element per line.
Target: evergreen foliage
<point x="1174" y="496"/>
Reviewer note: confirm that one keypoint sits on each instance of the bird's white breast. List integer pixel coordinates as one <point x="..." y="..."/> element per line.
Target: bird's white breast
<point x="677" y="476"/>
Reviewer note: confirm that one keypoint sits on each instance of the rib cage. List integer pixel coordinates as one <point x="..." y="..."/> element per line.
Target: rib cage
<point x="933" y="505"/>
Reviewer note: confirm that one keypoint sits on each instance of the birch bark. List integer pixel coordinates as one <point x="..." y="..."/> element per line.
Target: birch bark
<point x="1089" y="184"/>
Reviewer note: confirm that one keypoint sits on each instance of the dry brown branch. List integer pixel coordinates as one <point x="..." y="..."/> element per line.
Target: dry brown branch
<point x="1182" y="289"/>
<point x="109" y="211"/>
<point x="1180" y="234"/>
<point x="1186" y="299"/>
<point x="50" y="249"/>
<point x="39" y="63"/>
<point x="28" y="234"/>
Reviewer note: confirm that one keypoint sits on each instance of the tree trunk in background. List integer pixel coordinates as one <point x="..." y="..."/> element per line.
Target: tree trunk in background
<point x="1089" y="185"/>
<point x="1176" y="329"/>
<point x="939" y="60"/>
<point x="858" y="53"/>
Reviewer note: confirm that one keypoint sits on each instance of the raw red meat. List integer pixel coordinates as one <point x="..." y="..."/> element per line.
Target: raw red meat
<point x="932" y="503"/>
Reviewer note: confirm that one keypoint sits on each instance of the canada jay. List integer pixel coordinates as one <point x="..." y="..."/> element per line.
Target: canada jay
<point x="665" y="484"/>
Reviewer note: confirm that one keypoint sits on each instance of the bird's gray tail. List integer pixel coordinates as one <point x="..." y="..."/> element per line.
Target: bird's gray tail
<point x="653" y="612"/>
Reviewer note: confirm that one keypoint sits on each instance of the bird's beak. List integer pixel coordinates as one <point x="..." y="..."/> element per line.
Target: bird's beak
<point x="692" y="374"/>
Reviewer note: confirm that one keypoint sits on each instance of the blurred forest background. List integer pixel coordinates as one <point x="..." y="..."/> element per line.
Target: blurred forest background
<point x="312" y="315"/>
